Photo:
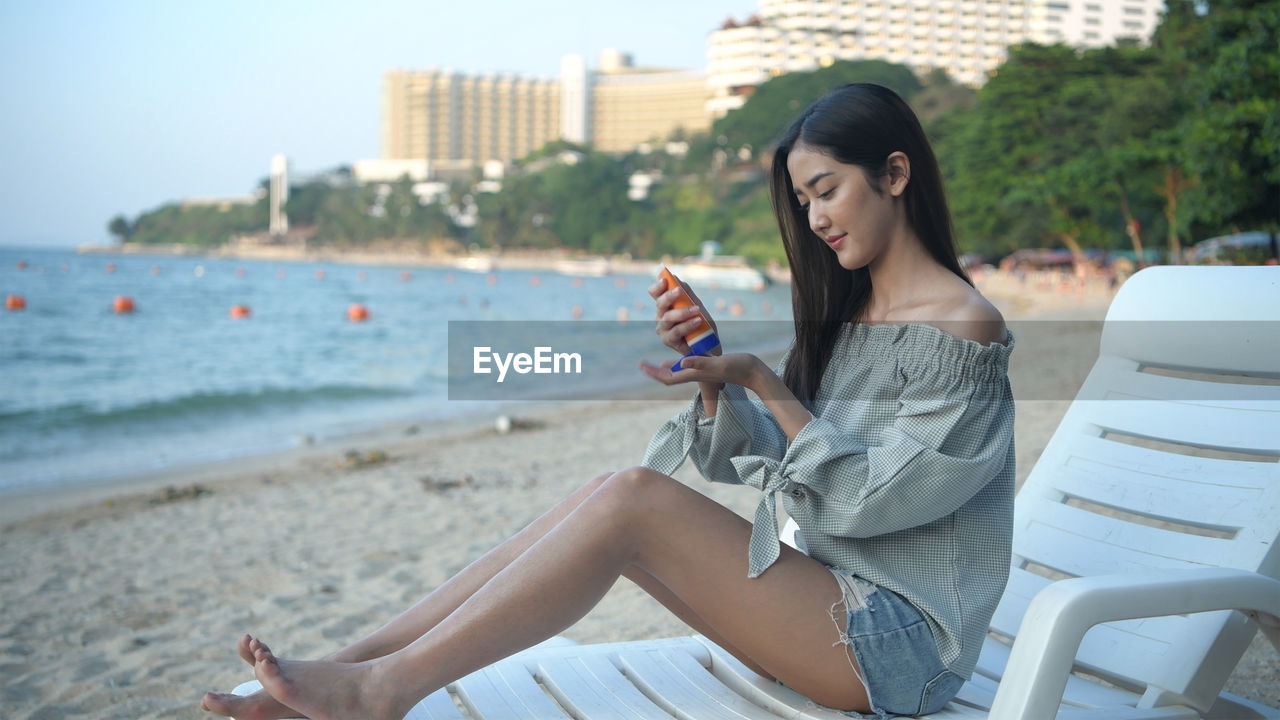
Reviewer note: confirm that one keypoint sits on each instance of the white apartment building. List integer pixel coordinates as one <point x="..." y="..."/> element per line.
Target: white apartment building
<point x="966" y="38"/>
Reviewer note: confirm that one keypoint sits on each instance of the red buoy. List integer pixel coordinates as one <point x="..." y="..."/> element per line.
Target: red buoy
<point x="123" y="305"/>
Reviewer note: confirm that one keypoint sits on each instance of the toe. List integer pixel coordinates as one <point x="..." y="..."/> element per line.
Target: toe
<point x="242" y="647"/>
<point x="215" y="702"/>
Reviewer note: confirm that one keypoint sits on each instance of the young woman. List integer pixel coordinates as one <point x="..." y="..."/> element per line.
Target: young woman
<point x="888" y="432"/>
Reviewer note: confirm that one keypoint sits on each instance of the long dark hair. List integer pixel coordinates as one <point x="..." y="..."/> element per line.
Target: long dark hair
<point x="857" y="124"/>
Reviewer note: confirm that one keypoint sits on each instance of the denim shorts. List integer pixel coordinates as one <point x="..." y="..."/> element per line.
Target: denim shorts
<point x="895" y="650"/>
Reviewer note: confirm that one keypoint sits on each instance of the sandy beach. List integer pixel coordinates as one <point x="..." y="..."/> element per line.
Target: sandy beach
<point x="126" y="601"/>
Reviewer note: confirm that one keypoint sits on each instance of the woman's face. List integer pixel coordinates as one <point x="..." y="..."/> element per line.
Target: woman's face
<point x="843" y="208"/>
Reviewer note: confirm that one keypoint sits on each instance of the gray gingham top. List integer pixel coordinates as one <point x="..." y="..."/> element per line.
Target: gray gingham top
<point x="904" y="476"/>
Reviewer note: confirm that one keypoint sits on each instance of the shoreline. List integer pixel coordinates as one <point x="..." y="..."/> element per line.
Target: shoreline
<point x="542" y="261"/>
<point x="392" y="438"/>
<point x="23" y="504"/>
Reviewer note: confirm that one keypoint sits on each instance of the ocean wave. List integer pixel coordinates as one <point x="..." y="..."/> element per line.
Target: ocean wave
<point x="205" y="406"/>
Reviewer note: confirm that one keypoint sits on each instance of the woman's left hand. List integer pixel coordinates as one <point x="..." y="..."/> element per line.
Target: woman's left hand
<point x="736" y="368"/>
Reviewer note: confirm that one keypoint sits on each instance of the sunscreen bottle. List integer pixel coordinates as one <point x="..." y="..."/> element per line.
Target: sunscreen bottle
<point x="702" y="339"/>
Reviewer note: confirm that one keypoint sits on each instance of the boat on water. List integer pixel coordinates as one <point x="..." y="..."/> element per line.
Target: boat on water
<point x="724" y="272"/>
<point x="592" y="267"/>
<point x="474" y="263"/>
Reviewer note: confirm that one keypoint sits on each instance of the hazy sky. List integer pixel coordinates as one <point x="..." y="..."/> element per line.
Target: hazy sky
<point x="120" y="106"/>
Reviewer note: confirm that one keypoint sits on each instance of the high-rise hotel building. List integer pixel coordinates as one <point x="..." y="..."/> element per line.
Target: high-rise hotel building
<point x="453" y="121"/>
<point x="966" y="38"/>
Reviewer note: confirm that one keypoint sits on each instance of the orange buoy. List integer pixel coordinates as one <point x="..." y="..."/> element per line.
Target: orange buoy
<point x="240" y="311"/>
<point x="576" y="312"/>
<point x="319" y="274"/>
<point x="405" y="276"/>
<point x="357" y="313"/>
<point x="15" y="302"/>
<point x="578" y="282"/>
<point x="22" y="264"/>
<point x="491" y="279"/>
<point x="111" y="267"/>
<point x="241" y="272"/>
<point x="535" y="280"/>
<point x="362" y="276"/>
<point x="155" y="269"/>
<point x="620" y="282"/>
<point x="123" y="305"/>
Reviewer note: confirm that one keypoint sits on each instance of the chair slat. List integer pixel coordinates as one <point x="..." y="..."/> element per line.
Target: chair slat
<point x="1077" y="555"/>
<point x="766" y="693"/>
<point x="506" y="690"/>
<point x="1142" y="546"/>
<point x="436" y="706"/>
<point x="592" y="687"/>
<point x="1138" y="380"/>
<point x="1252" y="429"/>
<point x="683" y="687"/>
<point x="1080" y="692"/>
<point x="1140" y="489"/>
<point x="1021" y="588"/>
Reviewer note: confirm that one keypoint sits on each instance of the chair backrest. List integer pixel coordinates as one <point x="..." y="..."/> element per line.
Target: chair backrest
<point x="1169" y="457"/>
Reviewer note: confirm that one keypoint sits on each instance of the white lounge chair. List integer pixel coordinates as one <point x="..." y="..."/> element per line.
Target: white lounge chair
<point x="1145" y="547"/>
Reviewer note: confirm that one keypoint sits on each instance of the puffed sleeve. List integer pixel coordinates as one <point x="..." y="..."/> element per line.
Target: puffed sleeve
<point x="742" y="425"/>
<point x="948" y="434"/>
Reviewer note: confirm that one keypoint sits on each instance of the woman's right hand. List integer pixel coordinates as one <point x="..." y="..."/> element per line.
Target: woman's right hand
<point x="673" y="323"/>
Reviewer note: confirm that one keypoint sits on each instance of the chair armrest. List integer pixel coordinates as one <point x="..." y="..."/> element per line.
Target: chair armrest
<point x="1060" y="615"/>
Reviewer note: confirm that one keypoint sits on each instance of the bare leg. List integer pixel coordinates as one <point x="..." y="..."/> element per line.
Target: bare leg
<point x="691" y="545"/>
<point x="438" y="604"/>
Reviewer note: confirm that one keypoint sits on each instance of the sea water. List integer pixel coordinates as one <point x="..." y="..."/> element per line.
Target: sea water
<point x="88" y="395"/>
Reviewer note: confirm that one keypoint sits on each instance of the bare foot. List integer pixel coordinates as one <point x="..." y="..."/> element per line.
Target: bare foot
<point x="325" y="690"/>
<point x="258" y="706"/>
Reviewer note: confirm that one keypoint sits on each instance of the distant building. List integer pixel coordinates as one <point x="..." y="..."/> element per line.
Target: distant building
<point x="278" y="221"/>
<point x="575" y="100"/>
<point x="450" y="119"/>
<point x="223" y="204"/>
<point x="383" y="170"/>
<point x="454" y="121"/>
<point x="967" y="38"/>
<point x="631" y="106"/>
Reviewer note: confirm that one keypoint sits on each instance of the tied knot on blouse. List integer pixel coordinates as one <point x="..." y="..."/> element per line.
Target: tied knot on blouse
<point x="765" y="475"/>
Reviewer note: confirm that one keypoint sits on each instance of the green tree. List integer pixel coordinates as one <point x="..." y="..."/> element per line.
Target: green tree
<point x="779" y="100"/>
<point x="1230" y="50"/>
<point x="119" y="227"/>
